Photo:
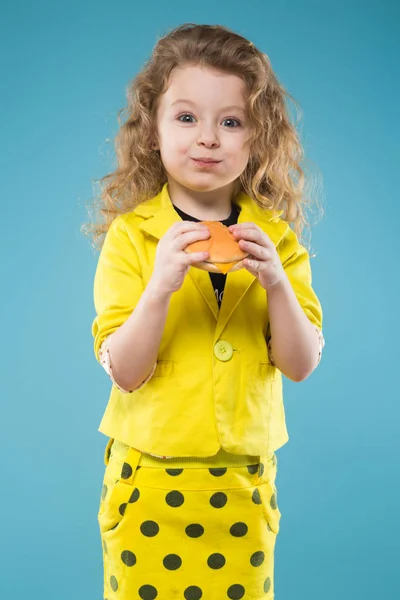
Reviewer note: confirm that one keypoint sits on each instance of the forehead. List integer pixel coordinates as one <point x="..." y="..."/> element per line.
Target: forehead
<point x="204" y="86"/>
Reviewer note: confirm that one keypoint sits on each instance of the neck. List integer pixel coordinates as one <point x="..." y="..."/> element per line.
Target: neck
<point x="215" y="205"/>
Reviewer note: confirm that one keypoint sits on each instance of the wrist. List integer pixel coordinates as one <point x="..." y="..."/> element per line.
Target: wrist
<point x="155" y="294"/>
<point x="280" y="283"/>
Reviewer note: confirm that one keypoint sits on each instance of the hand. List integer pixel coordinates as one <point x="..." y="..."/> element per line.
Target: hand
<point x="172" y="263"/>
<point x="264" y="261"/>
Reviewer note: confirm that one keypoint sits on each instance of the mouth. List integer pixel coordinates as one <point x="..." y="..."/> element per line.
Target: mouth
<point x="205" y="162"/>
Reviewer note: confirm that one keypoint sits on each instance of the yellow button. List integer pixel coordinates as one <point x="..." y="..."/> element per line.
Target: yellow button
<point x="223" y="350"/>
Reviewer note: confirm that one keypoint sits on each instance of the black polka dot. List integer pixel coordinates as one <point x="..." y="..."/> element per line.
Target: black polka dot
<point x="148" y="592"/>
<point x="126" y="471"/>
<point x="252" y="469"/>
<point x="174" y="472"/>
<point x="134" y="496"/>
<point x="267" y="585"/>
<point x="113" y="583"/>
<point x="256" y="497"/>
<point x="174" y="499"/>
<point x="235" y="592"/>
<point x="172" y="562"/>
<point x="273" y="501"/>
<point x="257" y="558"/>
<point x="261" y="469"/>
<point x="193" y="593"/>
<point x="104" y="492"/>
<point x="122" y="508"/>
<point x="217" y="472"/>
<point x="149" y="528"/>
<point x="239" y="529"/>
<point x="216" y="561"/>
<point x="128" y="558"/>
<point x="194" y="530"/>
<point x="218" y="500"/>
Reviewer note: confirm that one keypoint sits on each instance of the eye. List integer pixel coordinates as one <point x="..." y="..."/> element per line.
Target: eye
<point x="186" y="118"/>
<point x="186" y="115"/>
<point x="232" y="121"/>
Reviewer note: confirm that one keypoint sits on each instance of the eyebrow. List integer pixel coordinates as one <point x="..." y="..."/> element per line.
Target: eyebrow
<point x="226" y="108"/>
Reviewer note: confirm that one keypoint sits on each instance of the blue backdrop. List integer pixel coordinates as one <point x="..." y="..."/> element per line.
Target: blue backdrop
<point x="65" y="67"/>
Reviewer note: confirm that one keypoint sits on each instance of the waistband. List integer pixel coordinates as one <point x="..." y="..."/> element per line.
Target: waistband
<point x="222" y="458"/>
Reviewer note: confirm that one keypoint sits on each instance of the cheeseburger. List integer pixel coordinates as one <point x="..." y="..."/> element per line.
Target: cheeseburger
<point x="225" y="253"/>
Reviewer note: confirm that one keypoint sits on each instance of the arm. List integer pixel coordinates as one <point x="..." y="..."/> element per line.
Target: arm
<point x="133" y="363"/>
<point x="295" y="313"/>
<point x="296" y="349"/>
<point x="130" y="318"/>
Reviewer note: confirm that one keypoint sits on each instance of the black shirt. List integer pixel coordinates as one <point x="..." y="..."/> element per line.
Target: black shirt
<point x="217" y="279"/>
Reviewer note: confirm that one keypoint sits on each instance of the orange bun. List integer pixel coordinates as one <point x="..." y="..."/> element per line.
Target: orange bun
<point x="225" y="252"/>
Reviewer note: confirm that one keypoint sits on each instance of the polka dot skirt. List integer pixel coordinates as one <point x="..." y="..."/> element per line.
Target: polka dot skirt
<point x="188" y="533"/>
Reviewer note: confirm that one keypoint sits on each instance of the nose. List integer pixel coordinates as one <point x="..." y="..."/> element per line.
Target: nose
<point x="208" y="138"/>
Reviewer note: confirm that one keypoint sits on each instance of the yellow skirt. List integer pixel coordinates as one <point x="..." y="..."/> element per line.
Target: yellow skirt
<point x="187" y="528"/>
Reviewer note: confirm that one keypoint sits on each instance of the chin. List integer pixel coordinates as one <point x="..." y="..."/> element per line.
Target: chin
<point x="201" y="185"/>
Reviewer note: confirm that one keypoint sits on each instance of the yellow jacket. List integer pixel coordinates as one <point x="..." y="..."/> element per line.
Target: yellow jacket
<point x="214" y="385"/>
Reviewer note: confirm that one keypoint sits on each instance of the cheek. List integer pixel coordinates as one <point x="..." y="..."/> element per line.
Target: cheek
<point x="240" y="156"/>
<point x="175" y="144"/>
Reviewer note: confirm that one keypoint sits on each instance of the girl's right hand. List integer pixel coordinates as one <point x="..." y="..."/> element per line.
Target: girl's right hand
<point x="172" y="262"/>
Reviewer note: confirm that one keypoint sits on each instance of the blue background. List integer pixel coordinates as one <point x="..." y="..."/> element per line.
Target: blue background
<point x="65" y="67"/>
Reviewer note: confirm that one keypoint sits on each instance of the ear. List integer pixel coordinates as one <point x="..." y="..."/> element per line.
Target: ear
<point x="155" y="141"/>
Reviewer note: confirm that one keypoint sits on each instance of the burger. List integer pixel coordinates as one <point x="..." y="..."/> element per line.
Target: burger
<point x="225" y="253"/>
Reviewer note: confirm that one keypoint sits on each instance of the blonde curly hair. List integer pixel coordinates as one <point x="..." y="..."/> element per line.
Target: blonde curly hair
<point x="273" y="177"/>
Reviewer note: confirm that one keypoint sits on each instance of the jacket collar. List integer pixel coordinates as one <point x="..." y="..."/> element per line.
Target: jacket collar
<point x="160" y="215"/>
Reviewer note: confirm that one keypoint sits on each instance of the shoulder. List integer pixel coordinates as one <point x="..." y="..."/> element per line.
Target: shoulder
<point x="277" y="229"/>
<point x="282" y="235"/>
<point x="126" y="226"/>
<point x="129" y="220"/>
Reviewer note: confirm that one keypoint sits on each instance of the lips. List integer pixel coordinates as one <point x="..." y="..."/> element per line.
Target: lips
<point x="203" y="159"/>
<point x="206" y="161"/>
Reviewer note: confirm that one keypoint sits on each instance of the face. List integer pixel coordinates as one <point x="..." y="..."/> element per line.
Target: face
<point x="202" y="115"/>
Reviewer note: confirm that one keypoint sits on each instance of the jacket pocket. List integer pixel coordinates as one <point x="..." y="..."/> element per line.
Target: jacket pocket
<point x="269" y="501"/>
<point x="118" y="495"/>
<point x="164" y="368"/>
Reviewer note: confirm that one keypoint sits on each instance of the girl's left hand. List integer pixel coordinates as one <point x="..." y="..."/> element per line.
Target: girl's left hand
<point x="263" y="262"/>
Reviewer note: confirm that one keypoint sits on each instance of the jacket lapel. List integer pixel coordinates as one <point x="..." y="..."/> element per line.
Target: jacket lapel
<point x="161" y="215"/>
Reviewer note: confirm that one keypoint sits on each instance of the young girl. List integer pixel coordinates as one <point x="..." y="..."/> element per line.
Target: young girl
<point x="188" y="506"/>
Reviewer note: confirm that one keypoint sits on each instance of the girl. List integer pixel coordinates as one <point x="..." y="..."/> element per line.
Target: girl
<point x="188" y="507"/>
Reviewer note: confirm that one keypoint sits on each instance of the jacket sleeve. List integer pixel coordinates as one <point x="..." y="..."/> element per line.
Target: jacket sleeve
<point x="296" y="262"/>
<point x="118" y="286"/>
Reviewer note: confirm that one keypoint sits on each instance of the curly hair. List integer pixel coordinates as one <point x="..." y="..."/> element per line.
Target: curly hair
<point x="273" y="177"/>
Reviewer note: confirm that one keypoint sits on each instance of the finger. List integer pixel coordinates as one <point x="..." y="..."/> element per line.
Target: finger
<point x="251" y="264"/>
<point x="184" y="226"/>
<point x="195" y="257"/>
<point x="250" y="232"/>
<point x="246" y="224"/>
<point x="184" y="239"/>
<point x="253" y="234"/>
<point x="259" y="252"/>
